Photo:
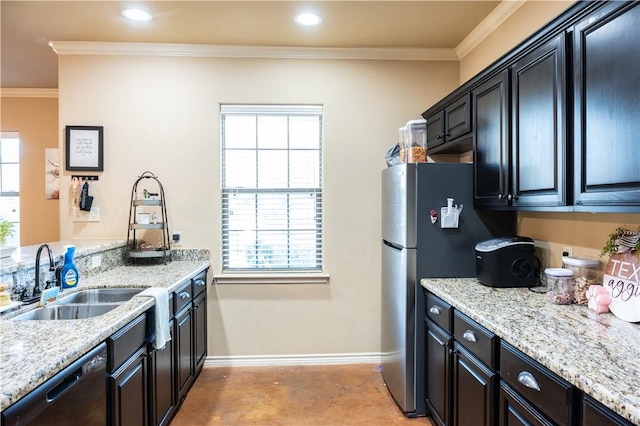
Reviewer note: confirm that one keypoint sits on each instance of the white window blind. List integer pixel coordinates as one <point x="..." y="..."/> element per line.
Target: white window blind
<point x="271" y="188"/>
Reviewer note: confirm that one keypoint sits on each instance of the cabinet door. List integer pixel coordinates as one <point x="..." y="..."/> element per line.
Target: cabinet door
<point x="438" y="381"/>
<point x="435" y="130"/>
<point x="184" y="352"/>
<point x="200" y="332"/>
<point x="491" y="145"/>
<point x="163" y="382"/>
<point x="457" y="118"/>
<point x="607" y="109"/>
<point x="538" y="141"/>
<point x="128" y="386"/>
<point x="474" y="390"/>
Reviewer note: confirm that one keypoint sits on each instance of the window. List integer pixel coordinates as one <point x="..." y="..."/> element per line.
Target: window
<point x="271" y="188"/>
<point x="10" y="183"/>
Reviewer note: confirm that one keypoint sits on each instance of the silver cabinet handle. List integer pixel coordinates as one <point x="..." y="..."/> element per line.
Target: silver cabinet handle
<point x="199" y="283"/>
<point x="526" y="379"/>
<point x="184" y="295"/>
<point x="434" y="310"/>
<point x="469" y="336"/>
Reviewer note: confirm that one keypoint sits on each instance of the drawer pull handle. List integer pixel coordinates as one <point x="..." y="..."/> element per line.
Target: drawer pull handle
<point x="199" y="283"/>
<point x="184" y="295"/>
<point x="526" y="379"/>
<point x="434" y="310"/>
<point x="469" y="336"/>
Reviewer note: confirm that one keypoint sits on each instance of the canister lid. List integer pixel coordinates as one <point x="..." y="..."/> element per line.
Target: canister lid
<point x="580" y="261"/>
<point x="558" y="272"/>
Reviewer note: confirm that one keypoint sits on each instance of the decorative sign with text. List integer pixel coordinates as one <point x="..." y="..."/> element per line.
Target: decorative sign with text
<point x="622" y="281"/>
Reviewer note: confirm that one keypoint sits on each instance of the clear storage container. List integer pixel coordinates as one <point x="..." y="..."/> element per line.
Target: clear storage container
<point x="586" y="272"/>
<point x="416" y="141"/>
<point x="402" y="143"/>
<point x="559" y="285"/>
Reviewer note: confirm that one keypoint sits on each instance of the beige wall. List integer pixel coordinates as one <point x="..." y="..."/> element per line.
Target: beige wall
<point x="36" y="121"/>
<point x="585" y="233"/>
<point x="161" y="114"/>
<point x="526" y="20"/>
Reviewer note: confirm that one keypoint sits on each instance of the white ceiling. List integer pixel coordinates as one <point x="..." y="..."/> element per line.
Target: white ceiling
<point x="27" y="61"/>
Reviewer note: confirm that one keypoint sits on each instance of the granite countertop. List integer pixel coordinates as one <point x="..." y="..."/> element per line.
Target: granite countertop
<point x="597" y="353"/>
<point x="33" y="351"/>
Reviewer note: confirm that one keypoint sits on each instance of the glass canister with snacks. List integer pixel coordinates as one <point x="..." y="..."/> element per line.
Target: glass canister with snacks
<point x="416" y="141"/>
<point x="559" y="285"/>
<point x="402" y="143"/>
<point x="586" y="272"/>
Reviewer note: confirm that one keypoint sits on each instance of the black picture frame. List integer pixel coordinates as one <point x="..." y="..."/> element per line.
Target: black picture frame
<point x="84" y="148"/>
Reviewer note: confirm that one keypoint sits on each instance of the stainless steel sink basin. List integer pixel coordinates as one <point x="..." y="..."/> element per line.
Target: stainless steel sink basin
<point x="67" y="312"/>
<point x="100" y="295"/>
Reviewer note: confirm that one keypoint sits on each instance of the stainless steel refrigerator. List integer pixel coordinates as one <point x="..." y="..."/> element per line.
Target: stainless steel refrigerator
<point x="415" y="247"/>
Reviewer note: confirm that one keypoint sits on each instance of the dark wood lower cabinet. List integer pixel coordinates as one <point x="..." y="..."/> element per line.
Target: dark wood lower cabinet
<point x="128" y="388"/>
<point x="184" y="352"/>
<point x="200" y="332"/>
<point x="474" y="390"/>
<point x="515" y="410"/>
<point x="438" y="380"/>
<point x="162" y="383"/>
<point x="596" y="414"/>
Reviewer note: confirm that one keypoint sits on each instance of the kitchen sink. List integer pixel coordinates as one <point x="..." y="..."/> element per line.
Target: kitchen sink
<point x="100" y="295"/>
<point x="67" y="311"/>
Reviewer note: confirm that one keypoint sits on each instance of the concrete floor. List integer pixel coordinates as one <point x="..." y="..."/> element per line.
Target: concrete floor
<point x="298" y="395"/>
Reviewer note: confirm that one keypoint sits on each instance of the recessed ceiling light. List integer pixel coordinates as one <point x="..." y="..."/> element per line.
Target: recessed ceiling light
<point x="308" y="19"/>
<point x="136" y="15"/>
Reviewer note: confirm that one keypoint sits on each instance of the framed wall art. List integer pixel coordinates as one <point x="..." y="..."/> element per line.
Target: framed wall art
<point x="84" y="148"/>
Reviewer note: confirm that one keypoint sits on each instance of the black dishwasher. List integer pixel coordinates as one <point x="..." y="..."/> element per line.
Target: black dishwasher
<point x="75" y="396"/>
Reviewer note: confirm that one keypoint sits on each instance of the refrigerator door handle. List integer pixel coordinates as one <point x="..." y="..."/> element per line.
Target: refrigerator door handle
<point x="392" y="245"/>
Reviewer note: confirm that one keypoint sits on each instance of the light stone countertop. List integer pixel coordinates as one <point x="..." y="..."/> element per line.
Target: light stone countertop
<point x="597" y="353"/>
<point x="33" y="351"/>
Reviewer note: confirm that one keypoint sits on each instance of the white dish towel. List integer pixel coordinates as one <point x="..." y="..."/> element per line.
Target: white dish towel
<point x="161" y="320"/>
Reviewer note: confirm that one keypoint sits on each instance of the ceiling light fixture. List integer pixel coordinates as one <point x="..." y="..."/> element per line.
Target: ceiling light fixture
<point x="308" y="19"/>
<point x="136" y="15"/>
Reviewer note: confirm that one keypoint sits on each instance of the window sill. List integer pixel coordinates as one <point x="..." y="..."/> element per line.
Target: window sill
<point x="272" y="278"/>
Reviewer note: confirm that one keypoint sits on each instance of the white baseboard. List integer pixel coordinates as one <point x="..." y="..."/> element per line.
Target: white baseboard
<point x="289" y="360"/>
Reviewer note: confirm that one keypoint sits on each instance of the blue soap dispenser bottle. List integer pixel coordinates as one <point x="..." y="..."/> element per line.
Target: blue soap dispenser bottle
<point x="69" y="273"/>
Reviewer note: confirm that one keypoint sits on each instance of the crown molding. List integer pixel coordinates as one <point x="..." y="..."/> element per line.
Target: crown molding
<point x="505" y="9"/>
<point x="250" y="52"/>
<point x="28" y="93"/>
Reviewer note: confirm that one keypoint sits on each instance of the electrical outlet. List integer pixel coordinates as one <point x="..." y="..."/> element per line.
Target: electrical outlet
<point x="96" y="261"/>
<point x="176" y="237"/>
<point x="567" y="251"/>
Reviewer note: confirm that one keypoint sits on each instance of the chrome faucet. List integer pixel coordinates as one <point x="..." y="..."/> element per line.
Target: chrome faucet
<point x="52" y="268"/>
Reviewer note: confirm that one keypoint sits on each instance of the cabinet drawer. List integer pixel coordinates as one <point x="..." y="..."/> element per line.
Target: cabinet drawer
<point x="439" y="311"/>
<point x="543" y="389"/>
<point x="596" y="414"/>
<point x="126" y="341"/>
<point x="199" y="283"/>
<point x="475" y="338"/>
<point x="182" y="297"/>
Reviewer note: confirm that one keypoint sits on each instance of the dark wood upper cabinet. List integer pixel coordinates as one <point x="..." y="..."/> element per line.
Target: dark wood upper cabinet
<point x="449" y="127"/>
<point x="555" y="121"/>
<point x="490" y="103"/>
<point x="606" y="63"/>
<point x="538" y="142"/>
